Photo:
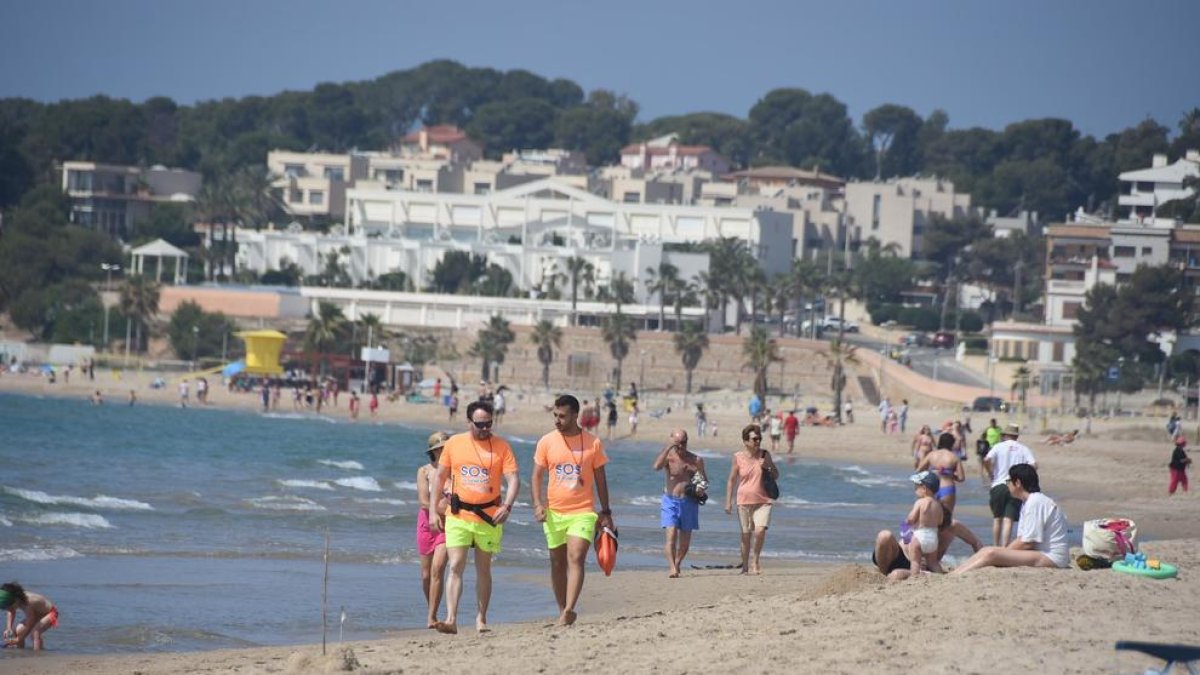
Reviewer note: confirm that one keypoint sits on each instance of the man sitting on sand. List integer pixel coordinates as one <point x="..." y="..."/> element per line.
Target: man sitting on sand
<point x="680" y="510"/>
<point x="1041" y="532"/>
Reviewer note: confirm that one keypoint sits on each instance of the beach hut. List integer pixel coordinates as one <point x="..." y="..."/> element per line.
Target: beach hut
<point x="263" y="348"/>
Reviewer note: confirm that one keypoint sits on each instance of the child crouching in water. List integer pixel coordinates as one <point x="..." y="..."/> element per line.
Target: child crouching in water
<point x="40" y="615"/>
<point x="925" y="516"/>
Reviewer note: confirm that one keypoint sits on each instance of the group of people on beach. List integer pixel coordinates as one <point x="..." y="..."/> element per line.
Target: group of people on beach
<point x="470" y="485"/>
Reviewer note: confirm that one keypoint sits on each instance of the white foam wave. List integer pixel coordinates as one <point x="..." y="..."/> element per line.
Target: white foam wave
<point x="380" y="500"/>
<point x="360" y="483"/>
<point x="406" y="485"/>
<point x="876" y="481"/>
<point x="37" y="554"/>
<point x="709" y="454"/>
<point x="349" y="464"/>
<point x="854" y="468"/>
<point x="289" y="503"/>
<point x="299" y="483"/>
<point x="97" y="502"/>
<point x="90" y="521"/>
<point x="5" y="522"/>
<point x="645" y="500"/>
<point x="518" y="439"/>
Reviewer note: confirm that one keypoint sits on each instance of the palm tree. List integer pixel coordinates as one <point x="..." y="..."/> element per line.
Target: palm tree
<point x="709" y="287"/>
<point x="579" y="270"/>
<point x="662" y="282"/>
<point x="372" y="326"/>
<point x="215" y="205"/>
<point x="840" y="353"/>
<point x="683" y="294"/>
<point x="621" y="291"/>
<point x="139" y="301"/>
<point x="779" y="292"/>
<point x="547" y="337"/>
<point x="325" y="329"/>
<point x="806" y="279"/>
<point x="618" y="331"/>
<point x="753" y="283"/>
<point x="1022" y="378"/>
<point x="760" y="350"/>
<point x="491" y="344"/>
<point x="690" y="342"/>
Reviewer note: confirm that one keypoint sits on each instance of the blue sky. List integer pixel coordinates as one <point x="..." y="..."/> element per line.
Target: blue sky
<point x="1103" y="64"/>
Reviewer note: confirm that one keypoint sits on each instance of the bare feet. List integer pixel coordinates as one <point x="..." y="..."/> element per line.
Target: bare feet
<point x="481" y="625"/>
<point x="446" y="627"/>
<point x="567" y="618"/>
<point x="674" y="574"/>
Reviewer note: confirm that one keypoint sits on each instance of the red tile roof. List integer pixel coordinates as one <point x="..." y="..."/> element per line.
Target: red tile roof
<point x="439" y="133"/>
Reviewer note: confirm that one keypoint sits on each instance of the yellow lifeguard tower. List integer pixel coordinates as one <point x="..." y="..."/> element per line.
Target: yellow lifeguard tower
<point x="263" y="348"/>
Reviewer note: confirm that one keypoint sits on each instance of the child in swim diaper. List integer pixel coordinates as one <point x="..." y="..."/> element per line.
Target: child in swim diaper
<point x="925" y="516"/>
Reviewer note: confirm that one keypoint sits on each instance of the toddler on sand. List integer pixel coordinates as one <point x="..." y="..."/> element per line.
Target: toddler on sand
<point x="925" y="517"/>
<point x="40" y="615"/>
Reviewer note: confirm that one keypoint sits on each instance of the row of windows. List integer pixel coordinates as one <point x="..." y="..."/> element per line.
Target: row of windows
<point x="1028" y="349"/>
<point x="329" y="172"/>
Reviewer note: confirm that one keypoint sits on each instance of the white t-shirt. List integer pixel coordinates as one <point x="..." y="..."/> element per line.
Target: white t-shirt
<point x="1043" y="522"/>
<point x="776" y="426"/>
<point x="1003" y="456"/>
<point x="498" y="402"/>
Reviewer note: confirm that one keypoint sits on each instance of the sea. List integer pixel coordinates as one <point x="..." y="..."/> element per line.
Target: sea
<point x="157" y="528"/>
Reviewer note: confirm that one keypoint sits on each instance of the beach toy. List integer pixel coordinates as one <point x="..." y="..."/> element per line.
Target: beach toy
<point x="1135" y="560"/>
<point x="906" y="532"/>
<point x="1153" y="564"/>
<point x="1164" y="570"/>
<point x="606" y="550"/>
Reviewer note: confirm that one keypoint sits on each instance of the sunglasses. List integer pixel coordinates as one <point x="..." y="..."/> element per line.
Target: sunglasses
<point x="483" y="425"/>
<point x="755" y="439"/>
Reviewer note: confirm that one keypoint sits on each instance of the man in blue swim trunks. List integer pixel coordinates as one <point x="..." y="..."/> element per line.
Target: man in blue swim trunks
<point x="681" y="498"/>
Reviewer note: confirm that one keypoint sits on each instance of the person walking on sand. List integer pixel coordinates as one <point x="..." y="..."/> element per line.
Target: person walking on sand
<point x="39" y="616"/>
<point x="477" y="460"/>
<point x="612" y="417"/>
<point x="633" y="419"/>
<point x="452" y="403"/>
<point x="791" y="427"/>
<point x="1041" y="539"/>
<point x="775" y="424"/>
<point x="374" y="404"/>
<point x="568" y="462"/>
<point x="1178" y="466"/>
<point x="183" y="393"/>
<point x="680" y="511"/>
<point x="1006" y="508"/>
<point x="885" y="409"/>
<point x="431" y="542"/>
<point x="355" y="403"/>
<point x="746" y="471"/>
<point x="922" y="444"/>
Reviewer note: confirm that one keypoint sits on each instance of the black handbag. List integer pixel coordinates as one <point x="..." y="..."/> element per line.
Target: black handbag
<point x="770" y="485"/>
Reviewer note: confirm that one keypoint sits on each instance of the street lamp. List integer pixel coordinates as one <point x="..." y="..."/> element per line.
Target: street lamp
<point x="195" y="344"/>
<point x="109" y="268"/>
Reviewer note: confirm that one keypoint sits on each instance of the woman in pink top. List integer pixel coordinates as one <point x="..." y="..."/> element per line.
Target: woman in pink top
<point x="754" y="506"/>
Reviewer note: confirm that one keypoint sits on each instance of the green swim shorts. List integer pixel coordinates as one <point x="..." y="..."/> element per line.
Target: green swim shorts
<point x="469" y="533"/>
<point x="558" y="525"/>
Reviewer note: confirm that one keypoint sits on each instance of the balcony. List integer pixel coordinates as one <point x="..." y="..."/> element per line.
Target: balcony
<point x="1071" y="286"/>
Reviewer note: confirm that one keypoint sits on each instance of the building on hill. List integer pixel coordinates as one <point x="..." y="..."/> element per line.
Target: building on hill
<point x="112" y="198"/>
<point x="898" y="210"/>
<point x="666" y="154"/>
<point x="1143" y="191"/>
<point x="313" y="184"/>
<point x="441" y="141"/>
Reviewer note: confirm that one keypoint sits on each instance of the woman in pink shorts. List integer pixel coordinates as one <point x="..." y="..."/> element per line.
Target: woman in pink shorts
<point x="431" y="544"/>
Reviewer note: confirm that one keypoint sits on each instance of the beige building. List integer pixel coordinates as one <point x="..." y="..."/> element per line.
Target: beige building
<point x="112" y="198"/>
<point x="313" y="184"/>
<point x="898" y="210"/>
<point x="442" y="141"/>
<point x="666" y="154"/>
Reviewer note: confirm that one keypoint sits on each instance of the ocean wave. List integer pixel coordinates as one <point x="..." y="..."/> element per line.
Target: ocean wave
<point x="518" y="439"/>
<point x="710" y="454"/>
<point x="406" y="485"/>
<point x="380" y="500"/>
<point x="298" y="483"/>
<point x="854" y="468"/>
<point x="5" y="522"/>
<point x="645" y="500"/>
<point x="38" y="554"/>
<point x="876" y="481"/>
<point x="289" y="503"/>
<point x="349" y="464"/>
<point x="90" y="521"/>
<point x="365" y="483"/>
<point x="97" y="502"/>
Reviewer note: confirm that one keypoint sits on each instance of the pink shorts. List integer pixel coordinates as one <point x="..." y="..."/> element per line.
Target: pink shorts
<point x="427" y="540"/>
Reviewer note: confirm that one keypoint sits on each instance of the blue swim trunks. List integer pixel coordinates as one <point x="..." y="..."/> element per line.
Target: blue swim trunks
<point x="680" y="512"/>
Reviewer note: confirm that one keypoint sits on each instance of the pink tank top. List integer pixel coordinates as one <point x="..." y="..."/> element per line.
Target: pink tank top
<point x="750" y="474"/>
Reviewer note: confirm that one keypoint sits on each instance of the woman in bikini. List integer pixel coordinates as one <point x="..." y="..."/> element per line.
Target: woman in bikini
<point x="922" y="444"/>
<point x="431" y="544"/>
<point x="949" y="468"/>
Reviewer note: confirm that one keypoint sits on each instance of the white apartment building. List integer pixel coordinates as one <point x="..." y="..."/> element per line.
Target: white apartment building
<point x="1144" y="190"/>
<point x="666" y="154"/>
<point x="111" y="198"/>
<point x="310" y="184"/>
<point x="898" y="210"/>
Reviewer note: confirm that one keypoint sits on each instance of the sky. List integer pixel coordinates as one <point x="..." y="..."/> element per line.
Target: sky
<point x="1103" y="64"/>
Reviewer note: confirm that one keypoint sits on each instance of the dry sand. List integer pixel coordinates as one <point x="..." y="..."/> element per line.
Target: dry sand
<point x="802" y="618"/>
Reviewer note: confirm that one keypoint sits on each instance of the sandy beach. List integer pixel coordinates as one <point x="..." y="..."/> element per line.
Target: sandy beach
<point x="807" y="618"/>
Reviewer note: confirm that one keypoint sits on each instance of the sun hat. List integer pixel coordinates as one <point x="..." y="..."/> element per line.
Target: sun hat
<point x="436" y="440"/>
<point x="927" y="478"/>
<point x="1011" y="430"/>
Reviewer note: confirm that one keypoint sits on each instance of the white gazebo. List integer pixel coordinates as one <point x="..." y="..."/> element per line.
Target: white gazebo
<point x="160" y="249"/>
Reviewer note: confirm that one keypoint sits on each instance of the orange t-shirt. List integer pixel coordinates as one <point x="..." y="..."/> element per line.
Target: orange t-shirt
<point x="476" y="468"/>
<point x="571" y="462"/>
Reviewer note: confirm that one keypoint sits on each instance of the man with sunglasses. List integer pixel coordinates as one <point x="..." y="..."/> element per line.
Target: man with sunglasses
<point x="680" y="514"/>
<point x="568" y="462"/>
<point x="474" y="463"/>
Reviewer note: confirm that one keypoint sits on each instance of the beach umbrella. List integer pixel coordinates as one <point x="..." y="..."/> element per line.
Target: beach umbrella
<point x="233" y="368"/>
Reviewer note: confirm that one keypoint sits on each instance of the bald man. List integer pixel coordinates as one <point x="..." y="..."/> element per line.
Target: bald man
<point x="682" y="496"/>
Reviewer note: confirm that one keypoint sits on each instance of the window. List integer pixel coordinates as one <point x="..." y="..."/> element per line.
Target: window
<point x="316" y="197"/>
<point x="876" y="206"/>
<point x="1146" y="250"/>
<point x="1070" y="310"/>
<point x="1124" y="251"/>
<point x="631" y="198"/>
<point x="483" y="188"/>
<point x="296" y="196"/>
<point x="389" y="175"/>
<point x="1058" y="352"/>
<point x="424" y="185"/>
<point x="294" y="170"/>
<point x="335" y="173"/>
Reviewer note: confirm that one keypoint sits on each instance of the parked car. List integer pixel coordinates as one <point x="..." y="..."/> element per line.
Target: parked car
<point x="914" y="340"/>
<point x="943" y="339"/>
<point x="989" y="404"/>
<point x="833" y="323"/>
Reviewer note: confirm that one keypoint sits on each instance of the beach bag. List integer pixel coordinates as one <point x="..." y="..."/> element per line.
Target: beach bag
<point x="770" y="485"/>
<point x="1109" y="538"/>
